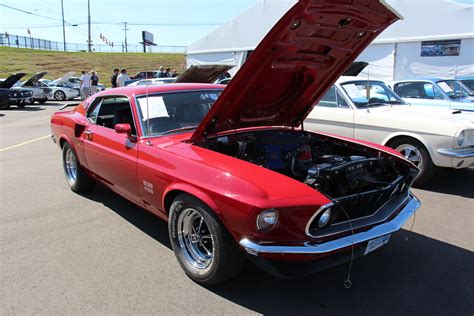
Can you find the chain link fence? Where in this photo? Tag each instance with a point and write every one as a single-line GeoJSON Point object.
{"type": "Point", "coordinates": [42, 44]}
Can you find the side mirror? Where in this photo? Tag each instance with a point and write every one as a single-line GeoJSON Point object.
{"type": "Point", "coordinates": [123, 128]}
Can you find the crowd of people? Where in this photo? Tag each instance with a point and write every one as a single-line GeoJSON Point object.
{"type": "Point", "coordinates": [89, 81]}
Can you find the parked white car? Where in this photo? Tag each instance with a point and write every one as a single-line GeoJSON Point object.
{"type": "Point", "coordinates": [429, 137]}
{"type": "Point", "coordinates": [61, 89]}
{"type": "Point", "coordinates": [75, 82]}
{"type": "Point", "coordinates": [143, 82]}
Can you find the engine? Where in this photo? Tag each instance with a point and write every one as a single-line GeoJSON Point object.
{"type": "Point", "coordinates": [335, 168]}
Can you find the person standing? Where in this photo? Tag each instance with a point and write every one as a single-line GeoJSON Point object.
{"type": "Point", "coordinates": [85, 86]}
{"type": "Point", "coordinates": [167, 73]}
{"type": "Point", "coordinates": [94, 82]}
{"type": "Point", "coordinates": [159, 74]}
{"type": "Point", "coordinates": [122, 78]}
{"type": "Point", "coordinates": [113, 80]}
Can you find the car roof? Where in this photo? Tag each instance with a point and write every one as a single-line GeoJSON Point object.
{"type": "Point", "coordinates": [344, 79]}
{"type": "Point", "coordinates": [144, 89]}
{"type": "Point", "coordinates": [425, 79]}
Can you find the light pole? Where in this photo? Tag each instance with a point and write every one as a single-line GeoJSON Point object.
{"type": "Point", "coordinates": [64, 29]}
{"type": "Point", "coordinates": [89, 23]}
{"type": "Point", "coordinates": [125, 29]}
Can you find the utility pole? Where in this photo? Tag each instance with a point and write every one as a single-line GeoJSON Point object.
{"type": "Point", "coordinates": [64, 29]}
{"type": "Point", "coordinates": [89, 22]}
{"type": "Point", "coordinates": [125, 29]}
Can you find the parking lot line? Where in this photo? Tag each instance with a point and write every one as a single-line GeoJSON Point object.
{"type": "Point", "coordinates": [24, 143]}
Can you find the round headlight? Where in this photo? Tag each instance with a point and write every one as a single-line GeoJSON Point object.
{"type": "Point", "coordinates": [461, 138]}
{"type": "Point", "coordinates": [267, 219]}
{"type": "Point", "coordinates": [324, 218]}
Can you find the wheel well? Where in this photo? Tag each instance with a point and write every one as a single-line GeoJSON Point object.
{"type": "Point", "coordinates": [169, 198]}
{"type": "Point", "coordinates": [61, 142]}
{"type": "Point", "coordinates": [392, 140]}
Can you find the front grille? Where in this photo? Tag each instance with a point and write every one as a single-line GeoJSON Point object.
{"type": "Point", "coordinates": [363, 209]}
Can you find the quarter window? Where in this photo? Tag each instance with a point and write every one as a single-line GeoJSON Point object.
{"type": "Point", "coordinates": [333, 99]}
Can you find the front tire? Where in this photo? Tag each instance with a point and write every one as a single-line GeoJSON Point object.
{"type": "Point", "coordinates": [59, 95]}
{"type": "Point", "coordinates": [204, 248]}
{"type": "Point", "coordinates": [415, 152]}
{"type": "Point", "coordinates": [78, 180]}
{"type": "Point", "coordinates": [4, 104]}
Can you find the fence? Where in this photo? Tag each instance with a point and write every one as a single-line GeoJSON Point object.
{"type": "Point", "coordinates": [42, 44]}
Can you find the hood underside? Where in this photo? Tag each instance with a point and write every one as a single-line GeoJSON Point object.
{"type": "Point", "coordinates": [203, 73]}
{"type": "Point", "coordinates": [10, 81]}
{"type": "Point", "coordinates": [296, 63]}
{"type": "Point", "coordinates": [34, 79]}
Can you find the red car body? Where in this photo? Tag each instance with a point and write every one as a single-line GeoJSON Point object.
{"type": "Point", "coordinates": [294, 65]}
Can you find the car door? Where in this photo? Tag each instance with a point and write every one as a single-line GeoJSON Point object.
{"type": "Point", "coordinates": [332, 114]}
{"type": "Point", "coordinates": [110, 155]}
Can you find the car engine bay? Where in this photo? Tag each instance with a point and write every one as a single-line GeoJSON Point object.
{"type": "Point", "coordinates": [333, 167]}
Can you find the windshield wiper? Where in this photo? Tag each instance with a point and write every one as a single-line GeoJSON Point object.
{"type": "Point", "coordinates": [176, 130]}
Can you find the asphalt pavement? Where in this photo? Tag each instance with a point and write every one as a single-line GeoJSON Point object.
{"type": "Point", "coordinates": [64, 253]}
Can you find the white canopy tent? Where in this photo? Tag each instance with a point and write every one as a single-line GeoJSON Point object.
{"type": "Point", "coordinates": [395, 54]}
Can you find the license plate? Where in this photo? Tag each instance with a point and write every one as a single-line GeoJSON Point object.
{"type": "Point", "coordinates": [376, 243]}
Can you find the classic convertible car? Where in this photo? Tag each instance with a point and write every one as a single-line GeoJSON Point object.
{"type": "Point", "coordinates": [232, 171]}
{"type": "Point", "coordinates": [429, 137]}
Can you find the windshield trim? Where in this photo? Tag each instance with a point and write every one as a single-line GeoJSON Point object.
{"type": "Point", "coordinates": [155, 94]}
{"type": "Point", "coordinates": [400, 101]}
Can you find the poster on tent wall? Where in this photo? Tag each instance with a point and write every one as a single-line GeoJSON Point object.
{"type": "Point", "coordinates": [440, 48]}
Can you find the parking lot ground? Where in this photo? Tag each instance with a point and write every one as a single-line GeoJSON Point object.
{"type": "Point", "coordinates": [62, 252]}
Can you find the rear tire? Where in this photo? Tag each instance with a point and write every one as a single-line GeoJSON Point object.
{"type": "Point", "coordinates": [78, 180]}
{"type": "Point", "coordinates": [204, 248]}
{"type": "Point", "coordinates": [42, 101]}
{"type": "Point", "coordinates": [415, 152]}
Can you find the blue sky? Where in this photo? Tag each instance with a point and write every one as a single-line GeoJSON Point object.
{"type": "Point", "coordinates": [182, 21]}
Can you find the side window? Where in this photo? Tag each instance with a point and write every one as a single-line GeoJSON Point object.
{"type": "Point", "coordinates": [431, 91]}
{"type": "Point", "coordinates": [93, 111]}
{"type": "Point", "coordinates": [113, 111]}
{"type": "Point", "coordinates": [333, 99]}
{"type": "Point", "coordinates": [410, 90]}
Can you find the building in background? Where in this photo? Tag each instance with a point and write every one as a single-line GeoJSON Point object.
{"type": "Point", "coordinates": [435, 38]}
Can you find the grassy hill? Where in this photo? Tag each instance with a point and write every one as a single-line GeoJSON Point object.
{"type": "Point", "coordinates": [56, 64]}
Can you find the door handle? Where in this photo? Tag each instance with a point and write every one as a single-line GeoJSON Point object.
{"type": "Point", "coordinates": [88, 133]}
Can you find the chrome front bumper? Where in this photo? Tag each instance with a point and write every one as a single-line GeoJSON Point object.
{"type": "Point", "coordinates": [457, 153]}
{"type": "Point", "coordinates": [313, 249]}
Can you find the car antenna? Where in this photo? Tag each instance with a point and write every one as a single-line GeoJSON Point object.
{"type": "Point", "coordinates": [147, 114]}
{"type": "Point", "coordinates": [367, 93]}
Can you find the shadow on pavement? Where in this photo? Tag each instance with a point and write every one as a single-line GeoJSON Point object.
{"type": "Point", "coordinates": [147, 222]}
{"type": "Point", "coordinates": [454, 182]}
{"type": "Point", "coordinates": [413, 274]}
{"type": "Point", "coordinates": [27, 108]}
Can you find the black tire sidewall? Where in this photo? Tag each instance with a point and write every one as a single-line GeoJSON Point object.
{"type": "Point", "coordinates": [181, 203]}
{"type": "Point", "coordinates": [83, 181]}
{"type": "Point", "coordinates": [4, 104]}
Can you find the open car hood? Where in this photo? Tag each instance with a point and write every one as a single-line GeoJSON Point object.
{"type": "Point", "coordinates": [203, 73]}
{"type": "Point", "coordinates": [296, 63]}
{"type": "Point", "coordinates": [10, 81]}
{"type": "Point", "coordinates": [355, 68]}
{"type": "Point", "coordinates": [65, 78]}
{"type": "Point", "coordinates": [36, 77]}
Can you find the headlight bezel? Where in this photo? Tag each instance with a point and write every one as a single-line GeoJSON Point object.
{"type": "Point", "coordinates": [267, 220]}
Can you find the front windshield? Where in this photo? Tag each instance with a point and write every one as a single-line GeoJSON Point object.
{"type": "Point", "coordinates": [370, 93]}
{"type": "Point", "coordinates": [174, 112]}
{"type": "Point", "coordinates": [454, 89]}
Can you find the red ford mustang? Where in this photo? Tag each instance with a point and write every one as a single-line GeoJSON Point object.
{"type": "Point", "coordinates": [233, 171]}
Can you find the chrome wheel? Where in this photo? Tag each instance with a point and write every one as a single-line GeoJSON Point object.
{"type": "Point", "coordinates": [411, 153]}
{"type": "Point", "coordinates": [195, 239]}
{"type": "Point", "coordinates": [70, 167]}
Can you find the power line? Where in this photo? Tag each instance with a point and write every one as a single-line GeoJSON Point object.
{"type": "Point", "coordinates": [31, 13]}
